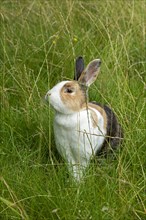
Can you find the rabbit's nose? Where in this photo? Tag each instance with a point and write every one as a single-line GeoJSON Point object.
{"type": "Point", "coordinates": [47, 95]}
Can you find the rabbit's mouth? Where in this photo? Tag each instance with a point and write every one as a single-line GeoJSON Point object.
{"type": "Point", "coordinates": [47, 97]}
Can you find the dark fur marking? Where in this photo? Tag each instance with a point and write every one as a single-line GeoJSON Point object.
{"type": "Point", "coordinates": [114, 132]}
{"type": "Point", "coordinates": [79, 67]}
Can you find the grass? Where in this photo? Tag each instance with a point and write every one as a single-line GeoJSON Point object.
{"type": "Point", "coordinates": [39, 43]}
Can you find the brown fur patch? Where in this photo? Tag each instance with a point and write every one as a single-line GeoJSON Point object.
{"type": "Point", "coordinates": [74, 100]}
{"type": "Point", "coordinates": [101, 110]}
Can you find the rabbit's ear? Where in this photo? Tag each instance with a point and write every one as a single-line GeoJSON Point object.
{"type": "Point", "coordinates": [79, 67]}
{"type": "Point", "coordinates": [91, 72]}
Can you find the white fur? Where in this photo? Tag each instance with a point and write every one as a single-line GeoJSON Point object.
{"type": "Point", "coordinates": [77, 140]}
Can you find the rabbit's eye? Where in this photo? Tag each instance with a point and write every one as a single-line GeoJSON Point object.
{"type": "Point", "coordinates": [68, 90]}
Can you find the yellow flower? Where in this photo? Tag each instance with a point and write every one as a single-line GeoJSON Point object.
{"type": "Point", "coordinates": [75, 39]}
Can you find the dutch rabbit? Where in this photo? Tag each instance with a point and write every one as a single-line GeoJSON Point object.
{"type": "Point", "coordinates": [82, 129]}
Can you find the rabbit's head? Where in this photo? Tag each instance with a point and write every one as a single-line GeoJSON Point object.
{"type": "Point", "coordinates": [68, 97]}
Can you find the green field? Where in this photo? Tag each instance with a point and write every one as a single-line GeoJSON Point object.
{"type": "Point", "coordinates": [39, 42]}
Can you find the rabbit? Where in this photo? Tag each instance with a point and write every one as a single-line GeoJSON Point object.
{"type": "Point", "coordinates": [82, 129]}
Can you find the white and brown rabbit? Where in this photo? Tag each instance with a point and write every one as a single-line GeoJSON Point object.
{"type": "Point", "coordinates": [82, 129]}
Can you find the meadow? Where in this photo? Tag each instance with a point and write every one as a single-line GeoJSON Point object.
{"type": "Point", "coordinates": [39, 42]}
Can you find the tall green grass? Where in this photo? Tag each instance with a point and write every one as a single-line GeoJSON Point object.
{"type": "Point", "coordinates": [39, 41]}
